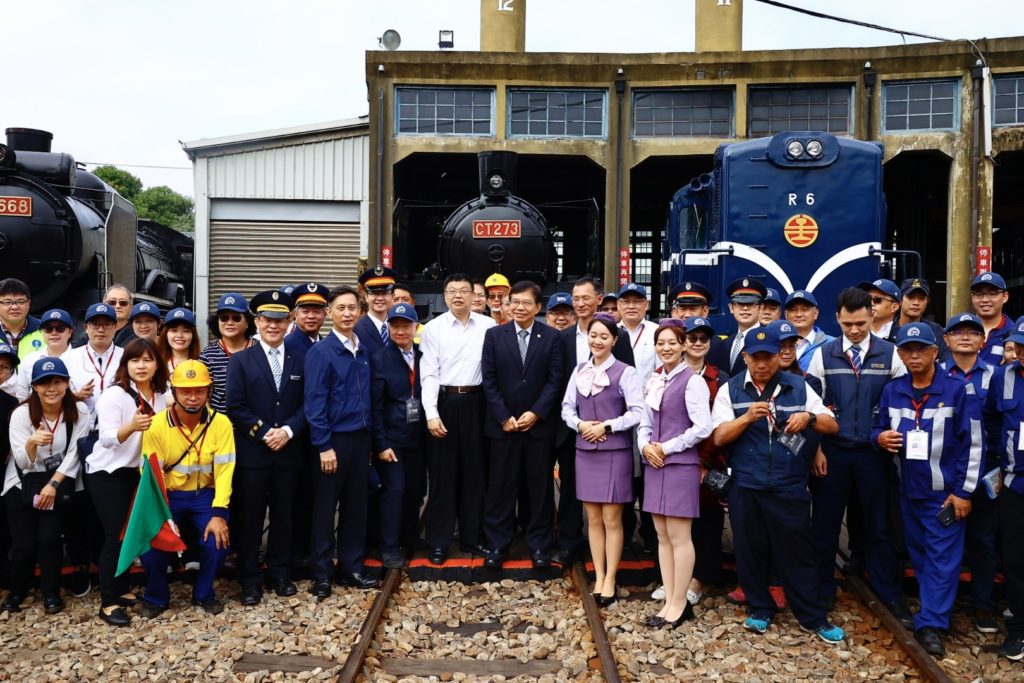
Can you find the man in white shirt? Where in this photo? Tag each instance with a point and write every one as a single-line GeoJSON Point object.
{"type": "Point", "coordinates": [453, 403]}
{"type": "Point", "coordinates": [802, 313]}
{"type": "Point", "coordinates": [92, 366]}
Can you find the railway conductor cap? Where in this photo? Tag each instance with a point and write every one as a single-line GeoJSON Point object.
{"type": "Point", "coordinates": [377, 279]}
{"type": "Point", "coordinates": [310, 294]}
{"type": "Point", "coordinates": [271, 304]}
{"type": "Point", "coordinates": [746, 290]}
{"type": "Point", "coordinates": [690, 294]}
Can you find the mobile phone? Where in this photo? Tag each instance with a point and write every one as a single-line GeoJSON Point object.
{"type": "Point", "coordinates": [35, 503]}
{"type": "Point", "coordinates": [946, 515]}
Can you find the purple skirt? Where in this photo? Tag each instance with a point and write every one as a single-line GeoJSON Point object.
{"type": "Point", "coordinates": [672, 491]}
{"type": "Point", "coordinates": [604, 476]}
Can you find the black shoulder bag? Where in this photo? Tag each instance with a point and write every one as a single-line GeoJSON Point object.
{"type": "Point", "coordinates": [168, 467]}
{"type": "Point", "coordinates": [33, 482]}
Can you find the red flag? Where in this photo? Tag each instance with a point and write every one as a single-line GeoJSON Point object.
{"type": "Point", "coordinates": [149, 522]}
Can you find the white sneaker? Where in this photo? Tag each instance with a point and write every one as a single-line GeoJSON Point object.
{"type": "Point", "coordinates": [693, 597]}
{"type": "Point", "coordinates": [1007, 614]}
{"type": "Point", "coordinates": [658, 593]}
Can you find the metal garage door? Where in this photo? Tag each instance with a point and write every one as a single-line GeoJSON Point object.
{"type": "Point", "coordinates": [249, 257]}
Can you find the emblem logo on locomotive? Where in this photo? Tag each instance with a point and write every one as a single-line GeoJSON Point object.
{"type": "Point", "coordinates": [801, 230]}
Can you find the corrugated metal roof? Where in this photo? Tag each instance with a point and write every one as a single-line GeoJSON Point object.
{"type": "Point", "coordinates": [204, 146]}
{"type": "Point", "coordinates": [330, 170]}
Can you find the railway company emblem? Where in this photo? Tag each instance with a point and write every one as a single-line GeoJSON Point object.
{"type": "Point", "coordinates": [801, 230]}
{"type": "Point", "coordinates": [191, 374]}
{"type": "Point", "coordinates": [761, 336]}
{"type": "Point", "coordinates": [913, 332]}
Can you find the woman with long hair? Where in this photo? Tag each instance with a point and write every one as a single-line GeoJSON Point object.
{"type": "Point", "coordinates": [603, 402]}
{"type": "Point", "coordinates": [179, 338]}
{"type": "Point", "coordinates": [677, 417]}
{"type": "Point", "coordinates": [44, 432]}
{"type": "Point", "coordinates": [124, 411]}
{"type": "Point", "coordinates": [231, 327]}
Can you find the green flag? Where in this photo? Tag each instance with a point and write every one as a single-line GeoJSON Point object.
{"type": "Point", "coordinates": [149, 522]}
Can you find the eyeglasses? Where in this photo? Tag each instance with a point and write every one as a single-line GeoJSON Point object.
{"type": "Point", "coordinates": [698, 338]}
{"type": "Point", "coordinates": [516, 303]}
{"type": "Point", "coordinates": [609, 308]}
{"type": "Point", "coordinates": [50, 329]}
{"type": "Point", "coordinates": [7, 303]}
{"type": "Point", "coordinates": [882, 299]}
{"type": "Point", "coordinates": [979, 294]}
{"type": "Point", "coordinates": [230, 317]}
{"type": "Point", "coordinates": [495, 297]}
{"type": "Point", "coordinates": [965, 332]}
{"type": "Point", "coordinates": [118, 303]}
{"type": "Point", "coordinates": [100, 324]}
{"type": "Point", "coordinates": [458, 292]}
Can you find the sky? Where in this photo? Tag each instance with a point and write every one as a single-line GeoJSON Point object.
{"type": "Point", "coordinates": [123, 81]}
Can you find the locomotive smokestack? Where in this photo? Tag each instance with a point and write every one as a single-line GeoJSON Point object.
{"type": "Point", "coordinates": [503, 25]}
{"type": "Point", "coordinates": [497, 173]}
{"type": "Point", "coordinates": [29, 139]}
{"type": "Point", "coordinates": [719, 25]}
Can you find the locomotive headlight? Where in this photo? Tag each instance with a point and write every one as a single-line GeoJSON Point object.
{"type": "Point", "coordinates": [496, 182]}
{"type": "Point", "coordinates": [814, 148]}
{"type": "Point", "coordinates": [795, 149]}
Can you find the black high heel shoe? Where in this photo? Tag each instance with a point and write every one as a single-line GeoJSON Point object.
{"type": "Point", "coordinates": [606, 600]}
{"type": "Point", "coordinates": [654, 621]}
{"type": "Point", "coordinates": [687, 615]}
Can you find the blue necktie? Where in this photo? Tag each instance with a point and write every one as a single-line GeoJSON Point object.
{"type": "Point", "coordinates": [523, 344]}
{"type": "Point", "coordinates": [855, 358]}
{"type": "Point", "coordinates": [384, 334]}
{"type": "Point", "coordinates": [275, 367]}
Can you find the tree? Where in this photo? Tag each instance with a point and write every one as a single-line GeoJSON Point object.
{"type": "Point", "coordinates": [164, 205]}
{"type": "Point", "coordinates": [126, 184]}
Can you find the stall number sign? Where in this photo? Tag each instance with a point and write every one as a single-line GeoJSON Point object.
{"type": "Point", "coordinates": [497, 229]}
{"type": "Point", "coordinates": [15, 206]}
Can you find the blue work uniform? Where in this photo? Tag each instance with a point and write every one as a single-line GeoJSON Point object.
{"type": "Point", "coordinates": [992, 351]}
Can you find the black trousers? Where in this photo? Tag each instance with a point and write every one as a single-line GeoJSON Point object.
{"type": "Point", "coordinates": [457, 471]}
{"type": "Point", "coordinates": [83, 532]}
{"type": "Point", "coordinates": [344, 493]}
{"type": "Point", "coordinates": [706, 533]}
{"type": "Point", "coordinates": [772, 529]}
{"type": "Point", "coordinates": [570, 510]}
{"type": "Point", "coordinates": [1011, 528]}
{"type": "Point", "coordinates": [517, 459]}
{"type": "Point", "coordinates": [35, 536]}
{"type": "Point", "coordinates": [112, 494]}
{"type": "Point", "coordinates": [253, 491]}
{"type": "Point", "coordinates": [302, 511]}
{"type": "Point", "coordinates": [403, 487]}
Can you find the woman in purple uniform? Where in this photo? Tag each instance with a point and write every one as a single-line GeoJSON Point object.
{"type": "Point", "coordinates": [602, 404]}
{"type": "Point", "coordinates": [677, 417]}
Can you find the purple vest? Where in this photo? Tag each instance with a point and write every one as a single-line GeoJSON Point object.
{"type": "Point", "coordinates": [674, 419]}
{"type": "Point", "coordinates": [606, 405]}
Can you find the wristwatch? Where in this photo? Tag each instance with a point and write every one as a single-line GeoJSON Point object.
{"type": "Point", "coordinates": [55, 484]}
{"type": "Point", "coordinates": [812, 420]}
{"type": "Point", "coordinates": [607, 429]}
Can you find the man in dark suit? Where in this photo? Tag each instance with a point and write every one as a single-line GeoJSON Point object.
{"type": "Point", "coordinates": [310, 313]}
{"type": "Point", "coordinates": [265, 404]}
{"type": "Point", "coordinates": [378, 287]}
{"type": "Point", "coordinates": [399, 435]}
{"type": "Point", "coordinates": [521, 366]}
{"type": "Point", "coordinates": [586, 296]}
{"type": "Point", "coordinates": [745, 295]}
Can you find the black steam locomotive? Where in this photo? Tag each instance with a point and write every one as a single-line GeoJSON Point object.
{"type": "Point", "coordinates": [69, 235]}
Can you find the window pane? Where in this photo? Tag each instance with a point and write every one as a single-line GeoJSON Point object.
{"type": "Point", "coordinates": [924, 105]}
{"type": "Point", "coordinates": [1008, 108]}
{"type": "Point", "coordinates": [684, 113]}
{"type": "Point", "coordinates": [559, 112]}
{"type": "Point", "coordinates": [806, 108]}
{"type": "Point", "coordinates": [444, 111]}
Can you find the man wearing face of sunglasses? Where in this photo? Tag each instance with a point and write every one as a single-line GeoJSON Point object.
{"type": "Point", "coordinates": [885, 307]}
{"type": "Point", "coordinates": [120, 299]}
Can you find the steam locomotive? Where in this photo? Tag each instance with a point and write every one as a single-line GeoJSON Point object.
{"type": "Point", "coordinates": [69, 235]}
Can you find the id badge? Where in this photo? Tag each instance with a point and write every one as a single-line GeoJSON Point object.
{"type": "Point", "coordinates": [413, 410]}
{"type": "Point", "coordinates": [51, 463]}
{"type": "Point", "coordinates": [794, 442]}
{"type": "Point", "coordinates": [917, 444]}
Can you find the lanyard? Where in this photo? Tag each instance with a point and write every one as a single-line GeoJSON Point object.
{"type": "Point", "coordinates": [191, 442]}
{"type": "Point", "coordinates": [412, 380]}
{"type": "Point", "coordinates": [145, 404]}
{"type": "Point", "coordinates": [637, 340]}
{"type": "Point", "coordinates": [918, 405]}
{"type": "Point", "coordinates": [53, 429]}
{"type": "Point", "coordinates": [770, 400]}
{"type": "Point", "coordinates": [95, 366]}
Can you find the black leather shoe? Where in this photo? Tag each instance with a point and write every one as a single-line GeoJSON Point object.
{"type": "Point", "coordinates": [321, 590]}
{"type": "Point", "coordinates": [931, 641]}
{"type": "Point", "coordinates": [541, 559]}
{"type": "Point", "coordinates": [356, 580]}
{"type": "Point", "coordinates": [128, 602]}
{"type": "Point", "coordinates": [473, 549]}
{"type": "Point", "coordinates": [437, 555]}
{"type": "Point", "coordinates": [564, 557]}
{"type": "Point", "coordinates": [854, 565]}
{"type": "Point", "coordinates": [251, 597]}
{"type": "Point", "coordinates": [285, 588]}
{"type": "Point", "coordinates": [117, 617]}
{"type": "Point", "coordinates": [150, 610]}
{"type": "Point", "coordinates": [12, 603]}
{"type": "Point", "coordinates": [900, 611]}
{"type": "Point", "coordinates": [685, 616]}
{"type": "Point", "coordinates": [494, 559]}
{"type": "Point", "coordinates": [52, 603]}
{"type": "Point", "coordinates": [392, 559]}
{"type": "Point", "coordinates": [211, 605]}
{"type": "Point", "coordinates": [606, 600]}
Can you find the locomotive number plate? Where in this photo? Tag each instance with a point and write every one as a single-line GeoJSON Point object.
{"type": "Point", "coordinates": [497, 229]}
{"type": "Point", "coordinates": [15, 206]}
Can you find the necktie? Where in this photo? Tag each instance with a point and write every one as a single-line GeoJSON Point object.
{"type": "Point", "coordinates": [275, 367]}
{"type": "Point", "coordinates": [384, 333]}
{"type": "Point", "coordinates": [523, 336]}
{"type": "Point", "coordinates": [737, 346]}
{"type": "Point", "coordinates": [408, 358]}
{"type": "Point", "coordinates": [855, 358]}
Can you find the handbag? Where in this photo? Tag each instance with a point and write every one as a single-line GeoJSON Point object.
{"type": "Point", "coordinates": [718, 482]}
{"type": "Point", "coordinates": [33, 482]}
{"type": "Point", "coordinates": [86, 444]}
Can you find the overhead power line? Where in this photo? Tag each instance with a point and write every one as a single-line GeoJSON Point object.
{"type": "Point", "coordinates": [822, 15]}
{"type": "Point", "coordinates": [110, 163]}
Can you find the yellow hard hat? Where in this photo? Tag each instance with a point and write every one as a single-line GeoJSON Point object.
{"type": "Point", "coordinates": [190, 374]}
{"type": "Point", "coordinates": [497, 280]}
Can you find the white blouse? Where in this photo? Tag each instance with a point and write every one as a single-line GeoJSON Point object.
{"type": "Point", "coordinates": [114, 408]}
{"type": "Point", "coordinates": [22, 428]}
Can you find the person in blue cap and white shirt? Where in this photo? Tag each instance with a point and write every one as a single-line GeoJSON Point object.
{"type": "Point", "coordinates": [92, 366]}
{"type": "Point", "coordinates": [802, 312]}
{"type": "Point", "coordinates": [885, 307]}
{"type": "Point", "coordinates": [1006, 399]}
{"type": "Point", "coordinates": [559, 313]}
{"type": "Point", "coordinates": [145, 320]}
{"type": "Point", "coordinates": [771, 306]}
{"type": "Point", "coordinates": [931, 422]}
{"type": "Point", "coordinates": [231, 328]}
{"type": "Point", "coordinates": [965, 335]}
{"type": "Point", "coordinates": [179, 339]}
{"type": "Point", "coordinates": [988, 297]}
{"type": "Point", "coordinates": [56, 327]}
{"type": "Point", "coordinates": [759, 416]}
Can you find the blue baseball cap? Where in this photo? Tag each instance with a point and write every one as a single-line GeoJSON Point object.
{"type": "Point", "coordinates": [962, 319]}
{"type": "Point", "coordinates": [10, 352]}
{"type": "Point", "coordinates": [56, 315]}
{"type": "Point", "coordinates": [232, 301]}
{"type": "Point", "coordinates": [783, 329]}
{"type": "Point", "coordinates": [1017, 335]}
{"type": "Point", "coordinates": [403, 312]}
{"type": "Point", "coordinates": [915, 284]}
{"type": "Point", "coordinates": [772, 294]}
{"type": "Point", "coordinates": [887, 287]}
{"type": "Point", "coordinates": [761, 339]}
{"type": "Point", "coordinates": [801, 295]}
{"type": "Point", "coordinates": [49, 366]}
{"type": "Point", "coordinates": [697, 323]}
{"type": "Point", "coordinates": [915, 333]}
{"type": "Point", "coordinates": [559, 299]}
{"type": "Point", "coordinates": [632, 288]}
{"type": "Point", "coordinates": [180, 315]}
{"type": "Point", "coordinates": [144, 308]}
{"type": "Point", "coordinates": [989, 279]}
{"type": "Point", "coordinates": [100, 311]}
